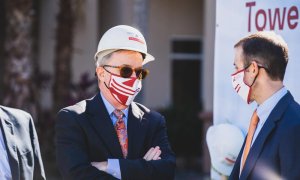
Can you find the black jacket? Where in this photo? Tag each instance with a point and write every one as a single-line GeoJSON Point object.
{"type": "Point", "coordinates": [275, 152]}
{"type": "Point", "coordinates": [85, 134]}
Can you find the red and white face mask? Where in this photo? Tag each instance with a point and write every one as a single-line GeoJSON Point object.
{"type": "Point", "coordinates": [240, 86]}
{"type": "Point", "coordinates": [124, 90]}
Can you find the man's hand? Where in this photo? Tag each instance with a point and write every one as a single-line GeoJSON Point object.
{"type": "Point", "coordinates": [153, 154]}
{"type": "Point", "coordinates": [102, 166]}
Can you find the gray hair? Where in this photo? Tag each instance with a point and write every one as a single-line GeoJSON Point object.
{"type": "Point", "coordinates": [104, 60]}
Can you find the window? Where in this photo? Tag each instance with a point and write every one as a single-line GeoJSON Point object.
{"type": "Point", "coordinates": [186, 58]}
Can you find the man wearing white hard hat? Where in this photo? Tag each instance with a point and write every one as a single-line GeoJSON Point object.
{"type": "Point", "coordinates": [224, 142]}
{"type": "Point", "coordinates": [109, 136]}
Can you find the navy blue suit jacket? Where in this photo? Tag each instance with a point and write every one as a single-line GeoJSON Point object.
{"type": "Point", "coordinates": [22, 145]}
{"type": "Point", "coordinates": [85, 133]}
{"type": "Point", "coordinates": [276, 150]}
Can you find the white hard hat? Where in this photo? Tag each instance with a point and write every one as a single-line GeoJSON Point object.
{"type": "Point", "coordinates": [224, 144]}
{"type": "Point", "coordinates": [122, 37]}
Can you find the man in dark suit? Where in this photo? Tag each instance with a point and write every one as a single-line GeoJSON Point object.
{"type": "Point", "coordinates": [271, 149]}
{"type": "Point", "coordinates": [109, 136]}
{"type": "Point", "coordinates": [20, 157]}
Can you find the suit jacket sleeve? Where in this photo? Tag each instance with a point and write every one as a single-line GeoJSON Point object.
{"type": "Point", "coordinates": [163, 169]}
{"type": "Point", "coordinates": [289, 154]}
{"type": "Point", "coordinates": [39, 172]}
{"type": "Point", "coordinates": [71, 150]}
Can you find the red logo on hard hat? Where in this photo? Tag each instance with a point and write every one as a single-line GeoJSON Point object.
{"type": "Point", "coordinates": [136, 39]}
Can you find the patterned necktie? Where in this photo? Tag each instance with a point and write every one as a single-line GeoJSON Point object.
{"type": "Point", "coordinates": [251, 131]}
{"type": "Point", "coordinates": [121, 131]}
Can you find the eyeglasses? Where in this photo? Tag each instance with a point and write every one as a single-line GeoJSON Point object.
{"type": "Point", "coordinates": [259, 66]}
{"type": "Point", "coordinates": [126, 71]}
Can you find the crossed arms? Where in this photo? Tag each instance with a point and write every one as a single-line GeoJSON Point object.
{"type": "Point", "coordinates": [74, 160]}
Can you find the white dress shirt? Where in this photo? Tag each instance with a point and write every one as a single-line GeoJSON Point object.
{"type": "Point", "coordinates": [5, 172]}
{"type": "Point", "coordinates": [264, 110]}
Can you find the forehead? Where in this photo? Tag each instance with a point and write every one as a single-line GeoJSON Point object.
{"type": "Point", "coordinates": [132, 58]}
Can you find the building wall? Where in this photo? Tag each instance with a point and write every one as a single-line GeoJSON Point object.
{"type": "Point", "coordinates": [167, 19]}
{"type": "Point", "coordinates": [208, 76]}
{"type": "Point", "coordinates": [48, 12]}
{"type": "Point", "coordinates": [209, 49]}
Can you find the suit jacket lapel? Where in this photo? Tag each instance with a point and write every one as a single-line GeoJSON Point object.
{"type": "Point", "coordinates": [268, 127]}
{"type": "Point", "coordinates": [136, 129]}
{"type": "Point", "coordinates": [102, 124]}
{"type": "Point", "coordinates": [257, 147]}
{"type": "Point", "coordinates": [8, 134]}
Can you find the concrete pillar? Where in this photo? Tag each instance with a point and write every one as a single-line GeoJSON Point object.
{"type": "Point", "coordinates": [140, 21]}
{"type": "Point", "coordinates": [208, 74]}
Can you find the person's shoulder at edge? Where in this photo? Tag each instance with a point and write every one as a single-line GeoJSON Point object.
{"type": "Point", "coordinates": [78, 108]}
{"type": "Point", "coordinates": [294, 112]}
{"type": "Point", "coordinates": [16, 115]}
{"type": "Point", "coordinates": [292, 119]}
{"type": "Point", "coordinates": [153, 115]}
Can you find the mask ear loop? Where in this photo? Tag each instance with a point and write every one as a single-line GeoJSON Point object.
{"type": "Point", "coordinates": [256, 75]}
{"type": "Point", "coordinates": [109, 79]}
{"type": "Point", "coordinates": [106, 84]}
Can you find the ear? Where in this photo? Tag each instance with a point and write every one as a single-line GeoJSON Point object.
{"type": "Point", "coordinates": [253, 69]}
{"type": "Point", "coordinates": [100, 73]}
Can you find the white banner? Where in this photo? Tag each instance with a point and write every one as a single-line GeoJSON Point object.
{"type": "Point", "coordinates": [236, 19]}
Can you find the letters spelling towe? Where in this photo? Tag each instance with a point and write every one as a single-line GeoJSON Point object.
{"type": "Point", "coordinates": [272, 18]}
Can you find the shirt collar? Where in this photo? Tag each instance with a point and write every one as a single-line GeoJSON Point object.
{"type": "Point", "coordinates": [110, 108]}
{"type": "Point", "coordinates": [264, 110]}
